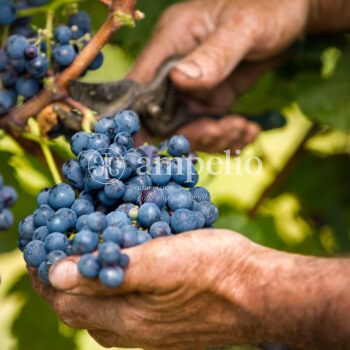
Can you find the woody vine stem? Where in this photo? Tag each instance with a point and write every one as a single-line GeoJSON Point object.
{"type": "Point", "coordinates": [121, 12]}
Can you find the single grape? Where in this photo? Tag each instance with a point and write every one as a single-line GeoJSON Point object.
{"type": "Point", "coordinates": [160, 174]}
{"type": "Point", "coordinates": [6, 219]}
{"type": "Point", "coordinates": [7, 101]}
{"type": "Point", "coordinates": [209, 211]}
{"type": "Point", "coordinates": [178, 146]}
{"type": "Point", "coordinates": [26, 228]}
{"type": "Point", "coordinates": [34, 253]}
{"type": "Point", "coordinates": [183, 220]}
{"type": "Point", "coordinates": [7, 12]}
{"type": "Point", "coordinates": [200, 194]}
{"type": "Point", "coordinates": [64, 55]}
{"type": "Point", "coordinates": [81, 222]}
{"type": "Point", "coordinates": [69, 215]}
{"type": "Point", "coordinates": [159, 229]}
{"type": "Point", "coordinates": [132, 193]}
{"type": "Point", "coordinates": [89, 266]}
{"type": "Point", "coordinates": [81, 19]}
{"type": "Point", "coordinates": [72, 171]}
{"type": "Point", "coordinates": [79, 142]}
{"type": "Point", "coordinates": [118, 218]}
{"type": "Point", "coordinates": [43, 196]}
{"type": "Point", "coordinates": [98, 142]}
{"type": "Point", "coordinates": [127, 121]}
{"type": "Point", "coordinates": [85, 241]}
{"type": "Point", "coordinates": [90, 159]}
{"type": "Point", "coordinates": [109, 253]}
{"type": "Point", "coordinates": [97, 62]}
{"type": "Point", "coordinates": [42, 215]}
{"type": "Point", "coordinates": [27, 87]}
{"type": "Point", "coordinates": [142, 237]}
{"type": "Point", "coordinates": [123, 139]}
{"type": "Point", "coordinates": [199, 218]}
{"type": "Point", "coordinates": [82, 207]}
{"type": "Point", "coordinates": [8, 195]}
{"type": "Point", "coordinates": [16, 45]}
{"type": "Point", "coordinates": [61, 196]}
{"type": "Point", "coordinates": [54, 257]}
{"type": "Point", "coordinates": [113, 234]}
{"type": "Point", "coordinates": [111, 277]}
{"type": "Point", "coordinates": [180, 199]}
{"type": "Point", "coordinates": [106, 126]}
{"type": "Point", "coordinates": [97, 221]}
{"type": "Point", "coordinates": [149, 213]}
{"type": "Point", "coordinates": [43, 272]}
{"type": "Point", "coordinates": [56, 241]}
{"type": "Point", "coordinates": [38, 67]}
{"type": "Point", "coordinates": [63, 34]}
{"type": "Point", "coordinates": [114, 189]}
{"type": "Point", "coordinates": [41, 233]}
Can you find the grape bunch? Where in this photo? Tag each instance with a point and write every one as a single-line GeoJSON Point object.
{"type": "Point", "coordinates": [8, 197]}
{"type": "Point", "coordinates": [117, 196]}
{"type": "Point", "coordinates": [25, 65]}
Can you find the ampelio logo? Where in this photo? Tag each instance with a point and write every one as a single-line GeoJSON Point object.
{"type": "Point", "coordinates": [105, 165]}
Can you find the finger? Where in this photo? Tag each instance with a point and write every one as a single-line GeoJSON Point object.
{"type": "Point", "coordinates": [214, 60]}
{"type": "Point", "coordinates": [143, 273]}
{"type": "Point", "coordinates": [174, 24]}
{"type": "Point", "coordinates": [87, 312]}
{"type": "Point", "coordinates": [46, 292]}
{"type": "Point", "coordinates": [109, 339]}
{"type": "Point", "coordinates": [203, 133]}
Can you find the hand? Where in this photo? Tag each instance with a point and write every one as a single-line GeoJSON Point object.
{"type": "Point", "coordinates": [215, 37]}
{"type": "Point", "coordinates": [208, 288]}
{"type": "Point", "coordinates": [172, 296]}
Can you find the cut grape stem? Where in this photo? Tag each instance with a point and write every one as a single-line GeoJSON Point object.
{"type": "Point", "coordinates": [16, 119]}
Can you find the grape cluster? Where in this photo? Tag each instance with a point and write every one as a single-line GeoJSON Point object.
{"type": "Point", "coordinates": [24, 62]}
{"type": "Point", "coordinates": [117, 196]}
{"type": "Point", "coordinates": [8, 197]}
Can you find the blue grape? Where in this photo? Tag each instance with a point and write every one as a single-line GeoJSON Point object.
{"type": "Point", "coordinates": [90, 159]}
{"type": "Point", "coordinates": [6, 219]}
{"type": "Point", "coordinates": [7, 101]}
{"type": "Point", "coordinates": [27, 87]}
{"type": "Point", "coordinates": [8, 80]}
{"type": "Point", "coordinates": [56, 241]}
{"type": "Point", "coordinates": [97, 62]}
{"type": "Point", "coordinates": [124, 261]}
{"type": "Point", "coordinates": [115, 150]}
{"type": "Point", "coordinates": [164, 216]}
{"type": "Point", "coordinates": [18, 65]}
{"type": "Point", "coordinates": [43, 272]}
{"type": "Point", "coordinates": [183, 220]}
{"type": "Point", "coordinates": [109, 253]}
{"type": "Point", "coordinates": [159, 229]}
{"type": "Point", "coordinates": [81, 19]}
{"type": "Point", "coordinates": [114, 189]}
{"type": "Point", "coordinates": [4, 60]}
{"type": "Point", "coordinates": [127, 121]}
{"type": "Point", "coordinates": [113, 234]}
{"type": "Point", "coordinates": [8, 195]}
{"type": "Point", "coordinates": [96, 178]}
{"type": "Point", "coordinates": [105, 200]}
{"type": "Point", "coordinates": [143, 181]}
{"type": "Point", "coordinates": [31, 52]}
{"type": "Point", "coordinates": [199, 218]}
{"type": "Point", "coordinates": [97, 221]}
{"type": "Point", "coordinates": [181, 199]}
{"type": "Point", "coordinates": [200, 194]}
{"type": "Point", "coordinates": [149, 151]}
{"type": "Point", "coordinates": [119, 168]}
{"type": "Point", "coordinates": [72, 171]}
{"type": "Point", "coordinates": [98, 142]}
{"type": "Point", "coordinates": [155, 196]}
{"type": "Point", "coordinates": [160, 174]}
{"type": "Point", "coordinates": [79, 142]}
{"type": "Point", "coordinates": [26, 228]}
{"type": "Point", "coordinates": [89, 266]}
{"type": "Point", "coordinates": [105, 126]}
{"type": "Point", "coordinates": [87, 196]}
{"type": "Point", "coordinates": [7, 12]}
{"type": "Point", "coordinates": [41, 233]}
{"type": "Point", "coordinates": [132, 193]}
{"type": "Point", "coordinates": [178, 146]}
{"type": "Point", "coordinates": [16, 45]}
{"type": "Point", "coordinates": [82, 207]}
{"type": "Point", "coordinates": [57, 223]}
{"type": "Point", "coordinates": [63, 34]}
{"type": "Point", "coordinates": [38, 67]}
{"type": "Point", "coordinates": [34, 253]}
{"type": "Point", "coordinates": [43, 196]}
{"type": "Point", "coordinates": [149, 213]}
{"type": "Point", "coordinates": [69, 215]}
{"type": "Point", "coordinates": [184, 172]}
{"type": "Point", "coordinates": [64, 55]}
{"type": "Point", "coordinates": [142, 237]}
{"type": "Point", "coordinates": [54, 257]}
{"type": "Point", "coordinates": [81, 222]}
{"type": "Point", "coordinates": [42, 215]}
{"type": "Point", "coordinates": [123, 139]}
{"type": "Point", "coordinates": [111, 277]}
{"type": "Point", "coordinates": [209, 211]}
{"type": "Point", "coordinates": [85, 241]}
{"type": "Point", "coordinates": [118, 218]}
{"type": "Point", "coordinates": [61, 196]}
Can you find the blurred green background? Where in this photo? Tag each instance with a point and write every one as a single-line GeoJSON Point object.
{"type": "Point", "coordinates": [300, 202]}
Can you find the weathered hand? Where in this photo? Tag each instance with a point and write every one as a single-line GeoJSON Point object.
{"type": "Point", "coordinates": [172, 298]}
{"type": "Point", "coordinates": [215, 37]}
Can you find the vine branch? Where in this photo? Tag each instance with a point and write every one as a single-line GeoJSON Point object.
{"type": "Point", "coordinates": [16, 119]}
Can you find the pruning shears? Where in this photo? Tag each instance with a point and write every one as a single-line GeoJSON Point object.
{"type": "Point", "coordinates": [158, 103]}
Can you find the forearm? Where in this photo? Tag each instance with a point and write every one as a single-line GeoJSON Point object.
{"type": "Point", "coordinates": [286, 298]}
{"type": "Point", "coordinates": [329, 16]}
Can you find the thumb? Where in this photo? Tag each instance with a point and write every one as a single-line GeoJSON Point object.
{"type": "Point", "coordinates": [144, 260]}
{"type": "Point", "coordinates": [214, 60]}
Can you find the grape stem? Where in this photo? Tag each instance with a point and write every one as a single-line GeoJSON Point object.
{"type": "Point", "coordinates": [51, 7]}
{"type": "Point", "coordinates": [16, 119]}
{"type": "Point", "coordinates": [50, 162]}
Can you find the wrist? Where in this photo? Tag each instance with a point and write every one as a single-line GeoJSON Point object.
{"type": "Point", "coordinates": [328, 16]}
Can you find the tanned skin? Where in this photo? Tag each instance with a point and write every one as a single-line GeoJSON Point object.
{"type": "Point", "coordinates": [214, 288]}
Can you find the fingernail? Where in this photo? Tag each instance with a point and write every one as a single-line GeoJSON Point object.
{"type": "Point", "coordinates": [64, 275]}
{"type": "Point", "coordinates": [190, 69]}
